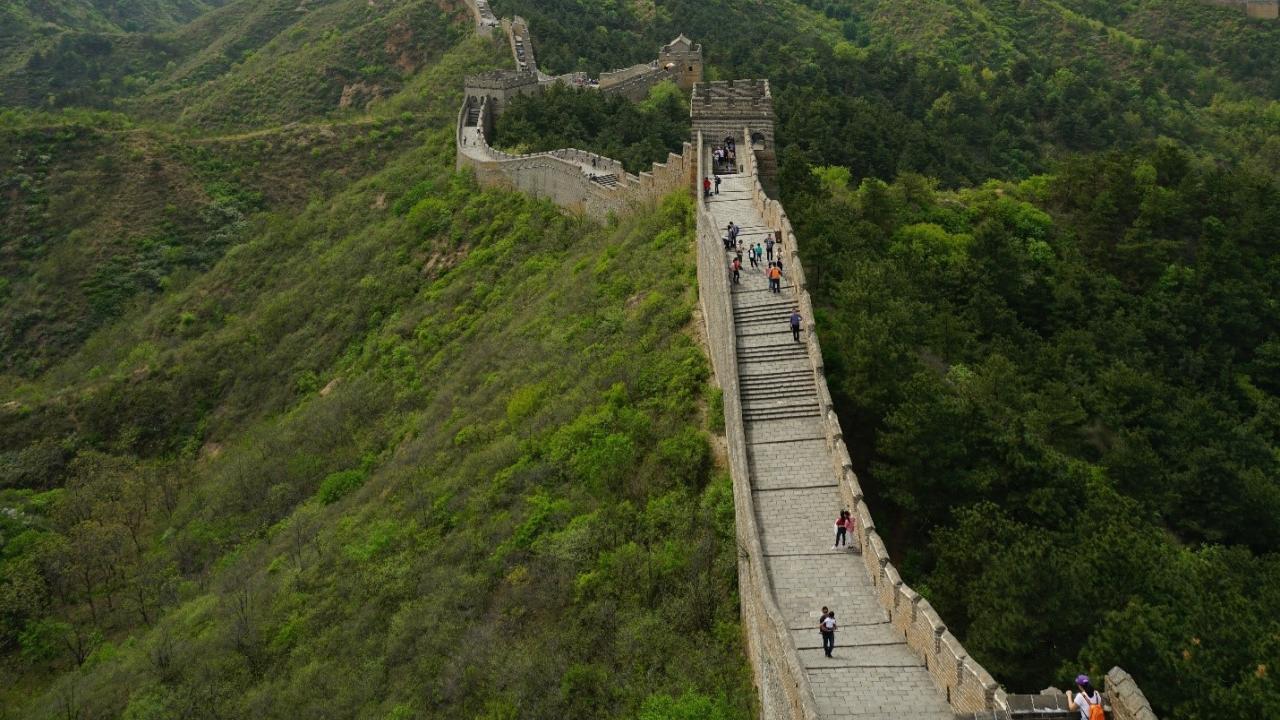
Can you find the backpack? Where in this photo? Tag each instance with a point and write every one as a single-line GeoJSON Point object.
{"type": "Point", "coordinates": [1095, 707]}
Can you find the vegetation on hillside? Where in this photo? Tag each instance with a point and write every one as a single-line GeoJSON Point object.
{"type": "Point", "coordinates": [441, 452]}
{"type": "Point", "coordinates": [638, 134]}
{"type": "Point", "coordinates": [298, 406]}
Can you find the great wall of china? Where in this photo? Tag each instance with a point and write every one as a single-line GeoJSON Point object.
{"type": "Point", "coordinates": [790, 467]}
{"type": "Point", "coordinates": [1257, 9]}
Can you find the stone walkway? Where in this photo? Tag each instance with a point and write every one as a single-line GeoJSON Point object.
{"type": "Point", "coordinates": [873, 674]}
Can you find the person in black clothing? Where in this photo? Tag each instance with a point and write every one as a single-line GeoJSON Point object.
{"type": "Point", "coordinates": [827, 626]}
{"type": "Point", "coordinates": [795, 324]}
{"type": "Point", "coordinates": [717, 184]}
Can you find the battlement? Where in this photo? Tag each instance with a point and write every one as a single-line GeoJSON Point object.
{"type": "Point", "coordinates": [501, 80]}
{"type": "Point", "coordinates": [730, 93]}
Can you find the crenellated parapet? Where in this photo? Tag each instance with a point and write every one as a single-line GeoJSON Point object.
{"type": "Point", "coordinates": [574, 179]}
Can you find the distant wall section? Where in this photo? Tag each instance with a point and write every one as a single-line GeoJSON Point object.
{"type": "Point", "coordinates": [574, 179]}
{"type": "Point", "coordinates": [1258, 9]}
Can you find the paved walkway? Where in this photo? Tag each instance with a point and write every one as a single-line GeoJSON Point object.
{"type": "Point", "coordinates": [873, 674]}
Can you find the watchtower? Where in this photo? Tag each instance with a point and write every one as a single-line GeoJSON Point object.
{"type": "Point", "coordinates": [500, 86]}
{"type": "Point", "coordinates": [1263, 9]}
{"type": "Point", "coordinates": [682, 58]}
{"type": "Point", "coordinates": [723, 108]}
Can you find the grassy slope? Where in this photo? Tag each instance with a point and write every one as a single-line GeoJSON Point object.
{"type": "Point", "coordinates": [514, 394]}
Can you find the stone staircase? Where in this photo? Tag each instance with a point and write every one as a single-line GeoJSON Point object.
{"type": "Point", "coordinates": [473, 116]}
{"type": "Point", "coordinates": [609, 180]}
{"type": "Point", "coordinates": [872, 675]}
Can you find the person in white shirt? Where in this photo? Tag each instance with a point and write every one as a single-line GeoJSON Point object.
{"type": "Point", "coordinates": [1085, 697]}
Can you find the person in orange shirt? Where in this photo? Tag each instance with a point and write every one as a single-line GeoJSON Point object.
{"type": "Point", "coordinates": [775, 278]}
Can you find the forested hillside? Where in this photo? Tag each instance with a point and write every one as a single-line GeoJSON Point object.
{"type": "Point", "coordinates": [287, 404]}
{"type": "Point", "coordinates": [1042, 236]}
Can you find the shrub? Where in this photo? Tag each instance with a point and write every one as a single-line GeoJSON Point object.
{"type": "Point", "coordinates": [340, 484]}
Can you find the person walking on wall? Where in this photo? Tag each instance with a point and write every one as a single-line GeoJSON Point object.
{"type": "Point", "coordinates": [768, 248]}
{"type": "Point", "coordinates": [844, 524]}
{"type": "Point", "coordinates": [827, 626]}
{"type": "Point", "coordinates": [795, 324]}
{"type": "Point", "coordinates": [751, 255]}
{"type": "Point", "coordinates": [706, 187]}
{"type": "Point", "coordinates": [760, 256]}
{"type": "Point", "coordinates": [775, 278]}
{"type": "Point", "coordinates": [1087, 701]}
{"type": "Point", "coordinates": [717, 184]}
{"type": "Point", "coordinates": [736, 265]}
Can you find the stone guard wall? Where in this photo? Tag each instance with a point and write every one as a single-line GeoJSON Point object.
{"type": "Point", "coordinates": [779, 675]}
{"type": "Point", "coordinates": [558, 176]}
{"type": "Point", "coordinates": [968, 687]}
{"type": "Point", "coordinates": [1126, 699]}
{"type": "Point", "coordinates": [486, 21]}
{"type": "Point", "coordinates": [636, 87]}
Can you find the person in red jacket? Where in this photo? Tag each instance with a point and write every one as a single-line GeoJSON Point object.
{"type": "Point", "coordinates": [706, 187]}
{"type": "Point", "coordinates": [844, 525]}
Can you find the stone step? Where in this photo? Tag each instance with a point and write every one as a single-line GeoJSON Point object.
{"type": "Point", "coordinates": [779, 387]}
{"type": "Point", "coordinates": [792, 413]}
{"type": "Point", "coordinates": [781, 311]}
{"type": "Point", "coordinates": [783, 389]}
{"type": "Point", "coordinates": [780, 352]}
{"type": "Point", "coordinates": [609, 180]}
{"type": "Point", "coordinates": [753, 402]}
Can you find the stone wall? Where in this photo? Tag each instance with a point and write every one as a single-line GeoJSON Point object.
{"type": "Point", "coordinates": [637, 87]}
{"type": "Point", "coordinates": [1259, 9]}
{"type": "Point", "coordinates": [1127, 700]}
{"type": "Point", "coordinates": [967, 686]}
{"type": "Point", "coordinates": [779, 675]}
{"type": "Point", "coordinates": [486, 21]}
{"type": "Point", "coordinates": [564, 176]}
{"type": "Point", "coordinates": [723, 108]}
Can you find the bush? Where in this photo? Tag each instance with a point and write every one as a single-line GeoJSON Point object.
{"type": "Point", "coordinates": [340, 484]}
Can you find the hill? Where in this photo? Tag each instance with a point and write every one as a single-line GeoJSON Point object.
{"type": "Point", "coordinates": [408, 441]}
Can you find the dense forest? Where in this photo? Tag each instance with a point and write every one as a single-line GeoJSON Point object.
{"type": "Point", "coordinates": [286, 403]}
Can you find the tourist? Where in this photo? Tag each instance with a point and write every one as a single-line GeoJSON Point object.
{"type": "Point", "coordinates": [775, 278]}
{"type": "Point", "coordinates": [760, 254]}
{"type": "Point", "coordinates": [706, 187]}
{"type": "Point", "coordinates": [717, 184]}
{"type": "Point", "coordinates": [827, 626]}
{"type": "Point", "coordinates": [1088, 702]}
{"type": "Point", "coordinates": [795, 325]}
{"type": "Point", "coordinates": [768, 248]}
{"type": "Point", "coordinates": [737, 269]}
{"type": "Point", "coordinates": [844, 524]}
{"type": "Point", "coordinates": [751, 255]}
